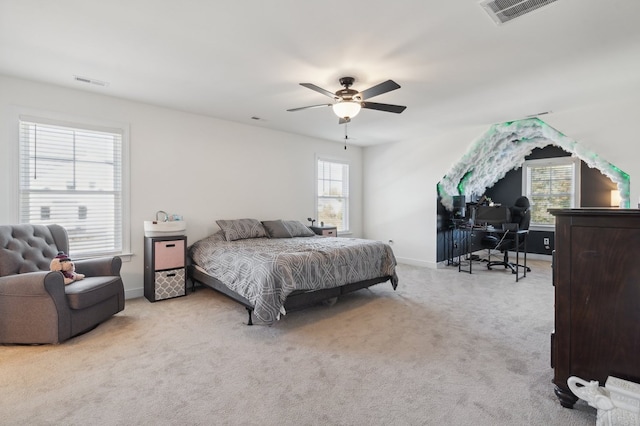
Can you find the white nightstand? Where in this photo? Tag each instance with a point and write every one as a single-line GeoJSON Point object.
{"type": "Point", "coordinates": [325, 231]}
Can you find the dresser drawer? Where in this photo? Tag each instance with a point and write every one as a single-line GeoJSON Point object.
{"type": "Point", "coordinates": [329, 232]}
{"type": "Point", "coordinates": [169, 254]}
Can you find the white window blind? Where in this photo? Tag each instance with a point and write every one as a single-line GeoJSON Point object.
{"type": "Point", "coordinates": [72, 176]}
{"type": "Point", "coordinates": [550, 183]}
{"type": "Point", "coordinates": [333, 194]}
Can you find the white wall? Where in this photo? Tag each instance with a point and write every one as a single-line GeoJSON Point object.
{"type": "Point", "coordinates": [400, 192]}
{"type": "Point", "coordinates": [200, 167]}
{"type": "Point", "coordinates": [400, 179]}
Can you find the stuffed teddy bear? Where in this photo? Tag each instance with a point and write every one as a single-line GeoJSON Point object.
{"type": "Point", "coordinates": [63, 263]}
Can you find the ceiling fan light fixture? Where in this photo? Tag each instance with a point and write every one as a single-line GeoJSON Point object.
{"type": "Point", "coordinates": [347, 102]}
{"type": "Point", "coordinates": [346, 109]}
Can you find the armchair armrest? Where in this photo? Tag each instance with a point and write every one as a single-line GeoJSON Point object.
{"type": "Point", "coordinates": [32, 284]}
{"type": "Point", "coordinates": [34, 308]}
{"type": "Point", "coordinates": [104, 266]}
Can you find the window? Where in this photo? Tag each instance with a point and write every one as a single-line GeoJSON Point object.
{"type": "Point", "coordinates": [72, 175]}
{"type": "Point", "coordinates": [551, 183]}
{"type": "Point", "coordinates": [333, 194]}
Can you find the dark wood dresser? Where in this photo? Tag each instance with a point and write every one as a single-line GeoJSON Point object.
{"type": "Point", "coordinates": [596, 274]}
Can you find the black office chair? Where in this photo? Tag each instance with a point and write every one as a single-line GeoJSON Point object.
{"type": "Point", "coordinates": [520, 220]}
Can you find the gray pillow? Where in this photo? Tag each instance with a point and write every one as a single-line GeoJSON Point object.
{"type": "Point", "coordinates": [239, 229]}
{"type": "Point", "coordinates": [297, 229]}
{"type": "Point", "coordinates": [276, 229]}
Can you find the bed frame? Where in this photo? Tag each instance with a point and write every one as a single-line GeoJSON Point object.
{"type": "Point", "coordinates": [295, 301]}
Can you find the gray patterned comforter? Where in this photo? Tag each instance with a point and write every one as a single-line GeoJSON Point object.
{"type": "Point", "coordinates": [266, 270]}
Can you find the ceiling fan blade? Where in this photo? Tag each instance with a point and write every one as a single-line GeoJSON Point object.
{"type": "Point", "coordinates": [319, 90]}
{"type": "Point", "coordinates": [344, 120]}
{"type": "Point", "coordinates": [379, 89]}
{"type": "Point", "coordinates": [384, 107]}
{"type": "Point", "coordinates": [309, 107]}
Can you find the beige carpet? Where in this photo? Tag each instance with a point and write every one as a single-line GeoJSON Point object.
{"type": "Point", "coordinates": [445, 348]}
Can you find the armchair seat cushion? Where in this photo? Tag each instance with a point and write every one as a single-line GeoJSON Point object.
{"type": "Point", "coordinates": [92, 290]}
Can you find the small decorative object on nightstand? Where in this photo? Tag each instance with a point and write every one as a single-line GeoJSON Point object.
{"type": "Point", "coordinates": [325, 231]}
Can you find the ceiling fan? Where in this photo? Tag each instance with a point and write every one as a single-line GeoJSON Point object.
{"type": "Point", "coordinates": [348, 102]}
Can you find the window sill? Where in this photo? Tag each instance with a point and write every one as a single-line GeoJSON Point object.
{"type": "Point", "coordinates": [126, 257]}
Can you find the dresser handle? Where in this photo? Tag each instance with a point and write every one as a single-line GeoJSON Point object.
{"type": "Point", "coordinates": [170, 245]}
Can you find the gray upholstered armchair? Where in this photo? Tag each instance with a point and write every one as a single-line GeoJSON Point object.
{"type": "Point", "coordinates": [35, 305]}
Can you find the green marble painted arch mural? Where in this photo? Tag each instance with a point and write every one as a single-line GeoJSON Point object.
{"type": "Point", "coordinates": [504, 147]}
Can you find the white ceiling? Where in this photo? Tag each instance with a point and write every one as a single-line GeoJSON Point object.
{"type": "Point", "coordinates": [244, 58]}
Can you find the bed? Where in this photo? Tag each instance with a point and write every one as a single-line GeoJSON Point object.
{"type": "Point", "coordinates": [275, 267]}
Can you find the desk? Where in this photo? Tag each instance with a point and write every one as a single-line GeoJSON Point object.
{"type": "Point", "coordinates": [470, 238]}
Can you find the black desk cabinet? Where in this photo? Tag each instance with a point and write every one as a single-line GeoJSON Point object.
{"type": "Point", "coordinates": [165, 267]}
{"type": "Point", "coordinates": [596, 273]}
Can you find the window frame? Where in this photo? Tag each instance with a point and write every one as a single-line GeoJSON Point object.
{"type": "Point", "coordinates": [347, 198]}
{"type": "Point", "coordinates": [551, 162]}
{"type": "Point", "coordinates": [51, 118]}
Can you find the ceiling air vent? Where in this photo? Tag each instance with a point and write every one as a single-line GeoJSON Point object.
{"type": "Point", "coordinates": [502, 11]}
{"type": "Point", "coordinates": [90, 81]}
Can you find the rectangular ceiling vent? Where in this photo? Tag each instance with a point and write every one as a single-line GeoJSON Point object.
{"type": "Point", "coordinates": [90, 81]}
{"type": "Point", "coordinates": [503, 11]}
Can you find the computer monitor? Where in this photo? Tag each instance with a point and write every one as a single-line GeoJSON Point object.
{"type": "Point", "coordinates": [492, 215]}
{"type": "Point", "coordinates": [459, 206]}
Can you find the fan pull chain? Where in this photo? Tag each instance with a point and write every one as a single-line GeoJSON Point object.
{"type": "Point", "coordinates": [345, 136]}
{"type": "Point", "coordinates": [35, 152]}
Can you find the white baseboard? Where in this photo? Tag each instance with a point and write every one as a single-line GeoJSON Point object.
{"type": "Point", "coordinates": [416, 262]}
{"type": "Point", "coordinates": [133, 293]}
